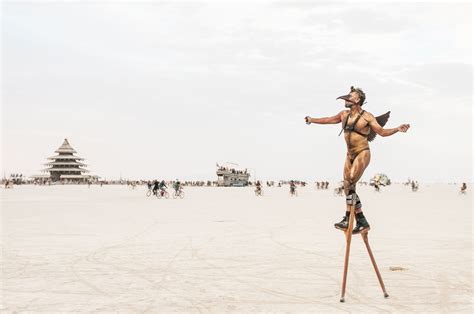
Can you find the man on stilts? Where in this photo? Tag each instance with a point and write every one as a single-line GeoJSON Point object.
{"type": "Point", "coordinates": [359, 128]}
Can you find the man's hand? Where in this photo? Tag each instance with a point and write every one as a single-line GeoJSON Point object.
{"type": "Point", "coordinates": [403, 128]}
{"type": "Point", "coordinates": [307, 119]}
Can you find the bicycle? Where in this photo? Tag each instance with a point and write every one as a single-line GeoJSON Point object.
{"type": "Point", "coordinates": [179, 193]}
{"type": "Point", "coordinates": [163, 194]}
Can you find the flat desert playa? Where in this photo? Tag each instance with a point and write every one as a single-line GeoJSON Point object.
{"type": "Point", "coordinates": [112, 249]}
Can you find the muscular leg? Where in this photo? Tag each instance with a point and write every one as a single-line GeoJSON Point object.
{"type": "Point", "coordinates": [353, 171]}
{"type": "Point", "coordinates": [347, 171]}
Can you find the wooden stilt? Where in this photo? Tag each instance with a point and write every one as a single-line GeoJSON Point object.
{"type": "Point", "coordinates": [365, 236]}
{"type": "Point", "coordinates": [348, 234]}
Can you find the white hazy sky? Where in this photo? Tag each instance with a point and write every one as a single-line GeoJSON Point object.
{"type": "Point", "coordinates": [169, 89]}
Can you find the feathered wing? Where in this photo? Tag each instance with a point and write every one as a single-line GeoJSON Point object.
{"type": "Point", "coordinates": [382, 120]}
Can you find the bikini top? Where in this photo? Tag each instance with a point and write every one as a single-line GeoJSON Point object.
{"type": "Point", "coordinates": [351, 128]}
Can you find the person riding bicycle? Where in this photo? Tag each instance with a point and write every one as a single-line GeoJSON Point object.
{"type": "Point", "coordinates": [292, 187]}
{"type": "Point", "coordinates": [258, 187]}
{"type": "Point", "coordinates": [156, 186]}
{"type": "Point", "coordinates": [177, 186]}
{"type": "Point", "coordinates": [162, 186]}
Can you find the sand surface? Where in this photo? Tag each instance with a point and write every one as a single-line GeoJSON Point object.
{"type": "Point", "coordinates": [112, 249]}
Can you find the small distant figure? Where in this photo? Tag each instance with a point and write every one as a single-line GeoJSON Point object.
{"type": "Point", "coordinates": [293, 188]}
{"type": "Point", "coordinates": [463, 188]}
{"type": "Point", "coordinates": [178, 189]}
{"type": "Point", "coordinates": [163, 186]}
{"type": "Point", "coordinates": [258, 189]}
{"type": "Point", "coordinates": [414, 186]}
{"type": "Point", "coordinates": [376, 186]}
{"type": "Point", "coordinates": [8, 184]}
{"type": "Point", "coordinates": [156, 186]}
{"type": "Point", "coordinates": [317, 185]}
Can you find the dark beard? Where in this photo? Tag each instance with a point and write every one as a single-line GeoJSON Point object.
{"type": "Point", "coordinates": [348, 105]}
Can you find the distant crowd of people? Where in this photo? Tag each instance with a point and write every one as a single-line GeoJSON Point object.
{"type": "Point", "coordinates": [413, 184]}
{"type": "Point", "coordinates": [17, 179]}
{"type": "Point", "coordinates": [184, 183]}
{"type": "Point", "coordinates": [232, 170]}
{"type": "Point", "coordinates": [323, 185]}
{"type": "Point", "coordinates": [295, 182]}
{"type": "Point", "coordinates": [14, 179]}
{"type": "Point", "coordinates": [292, 184]}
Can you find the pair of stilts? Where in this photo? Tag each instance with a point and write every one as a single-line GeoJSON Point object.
{"type": "Point", "coordinates": [365, 237]}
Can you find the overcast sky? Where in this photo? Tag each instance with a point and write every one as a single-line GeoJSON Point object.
{"type": "Point", "coordinates": [167, 90]}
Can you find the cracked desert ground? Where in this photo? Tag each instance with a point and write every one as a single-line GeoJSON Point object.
{"type": "Point", "coordinates": [112, 249]}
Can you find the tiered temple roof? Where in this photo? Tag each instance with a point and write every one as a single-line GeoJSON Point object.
{"type": "Point", "coordinates": [65, 165]}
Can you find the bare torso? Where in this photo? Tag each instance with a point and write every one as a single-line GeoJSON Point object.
{"type": "Point", "coordinates": [356, 142]}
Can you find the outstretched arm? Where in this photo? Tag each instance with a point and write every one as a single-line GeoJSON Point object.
{"type": "Point", "coordinates": [328, 120]}
{"type": "Point", "coordinates": [384, 132]}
